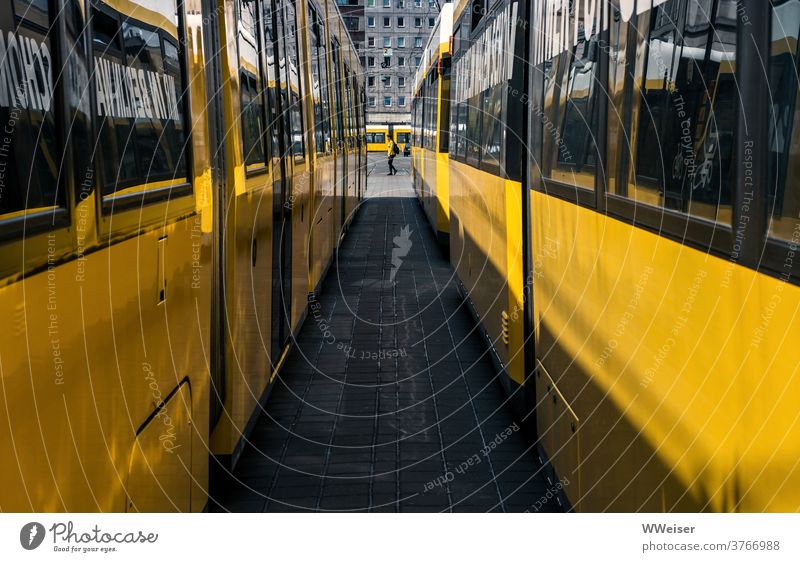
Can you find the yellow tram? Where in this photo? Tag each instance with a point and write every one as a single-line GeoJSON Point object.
{"type": "Point", "coordinates": [402, 135]}
{"type": "Point", "coordinates": [377, 137]}
{"type": "Point", "coordinates": [430, 114]}
{"type": "Point", "coordinates": [175, 180]}
{"type": "Point", "coordinates": [627, 235]}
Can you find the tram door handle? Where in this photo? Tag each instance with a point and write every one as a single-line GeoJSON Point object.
{"type": "Point", "coordinates": [161, 266]}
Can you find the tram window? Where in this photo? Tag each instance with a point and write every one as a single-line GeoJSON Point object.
{"type": "Point", "coordinates": [414, 121]}
{"type": "Point", "coordinates": [316, 93]}
{"type": "Point", "coordinates": [621, 45]}
{"type": "Point", "coordinates": [325, 97]}
{"type": "Point", "coordinates": [478, 8]}
{"type": "Point", "coordinates": [348, 107]}
{"type": "Point", "coordinates": [444, 128]}
{"type": "Point", "coordinates": [380, 138]}
{"type": "Point", "coordinates": [140, 105]}
{"type": "Point", "coordinates": [252, 115]}
{"type": "Point", "coordinates": [458, 127]}
{"type": "Point", "coordinates": [576, 154]}
{"type": "Point", "coordinates": [295, 94]}
{"type": "Point", "coordinates": [458, 121]}
{"type": "Point", "coordinates": [417, 133]}
{"type": "Point", "coordinates": [784, 136]}
{"type": "Point", "coordinates": [473, 135]}
{"type": "Point", "coordinates": [455, 106]}
{"type": "Point", "coordinates": [337, 92]}
{"type": "Point", "coordinates": [432, 115]}
{"type": "Point", "coordinates": [420, 118]}
{"type": "Point", "coordinates": [492, 129]}
{"type": "Point", "coordinates": [29, 155]}
{"type": "Point", "coordinates": [271, 92]}
{"type": "Point", "coordinates": [685, 112]}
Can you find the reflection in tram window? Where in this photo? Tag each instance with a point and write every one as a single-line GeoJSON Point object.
{"type": "Point", "coordinates": [325, 105]}
{"type": "Point", "coordinates": [336, 87]}
{"type": "Point", "coordinates": [492, 110]}
{"type": "Point", "coordinates": [316, 38]}
{"type": "Point", "coordinates": [348, 105]}
{"type": "Point", "coordinates": [622, 43]}
{"type": "Point", "coordinates": [432, 115]}
{"type": "Point", "coordinates": [473, 131]}
{"type": "Point", "coordinates": [576, 155]}
{"type": "Point", "coordinates": [139, 90]}
{"type": "Point", "coordinates": [295, 108]}
{"type": "Point", "coordinates": [29, 156]}
{"type": "Point", "coordinates": [268, 27]}
{"type": "Point", "coordinates": [444, 129]}
{"type": "Point", "coordinates": [250, 86]}
{"type": "Point", "coordinates": [684, 115]}
{"type": "Point", "coordinates": [784, 135]}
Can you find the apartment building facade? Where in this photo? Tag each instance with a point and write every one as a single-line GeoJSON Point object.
{"type": "Point", "coordinates": [353, 16]}
{"type": "Point", "coordinates": [395, 34]}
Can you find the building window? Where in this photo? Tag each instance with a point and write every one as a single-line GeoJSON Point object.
{"type": "Point", "coordinates": [432, 4]}
{"type": "Point", "coordinates": [387, 22]}
{"type": "Point", "coordinates": [401, 101]}
{"type": "Point", "coordinates": [370, 3]}
{"type": "Point", "coordinates": [370, 61]}
{"type": "Point", "coordinates": [401, 42]}
{"type": "Point", "coordinates": [417, 3]}
{"type": "Point", "coordinates": [351, 23]}
{"type": "Point", "coordinates": [401, 22]}
{"type": "Point", "coordinates": [387, 3]}
{"type": "Point", "coordinates": [417, 61]}
{"type": "Point", "coordinates": [418, 42]}
{"type": "Point", "coordinates": [401, 4]}
{"type": "Point", "coordinates": [431, 22]}
{"type": "Point", "coordinates": [387, 42]}
{"type": "Point", "coordinates": [370, 21]}
{"type": "Point", "coordinates": [370, 41]}
{"type": "Point", "coordinates": [387, 101]}
{"type": "Point", "coordinates": [370, 80]}
{"type": "Point", "coordinates": [417, 22]}
{"type": "Point", "coordinates": [401, 61]}
{"type": "Point", "coordinates": [372, 101]}
{"type": "Point", "coordinates": [401, 81]}
{"type": "Point", "coordinates": [387, 80]}
{"type": "Point", "coordinates": [341, 2]}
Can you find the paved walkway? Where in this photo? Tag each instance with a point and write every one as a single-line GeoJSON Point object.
{"type": "Point", "coordinates": [388, 401]}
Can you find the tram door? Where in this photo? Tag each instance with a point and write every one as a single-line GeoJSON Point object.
{"type": "Point", "coordinates": [216, 135]}
{"type": "Point", "coordinates": [274, 18]}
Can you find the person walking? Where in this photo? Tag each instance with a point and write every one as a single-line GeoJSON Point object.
{"type": "Point", "coordinates": [392, 151]}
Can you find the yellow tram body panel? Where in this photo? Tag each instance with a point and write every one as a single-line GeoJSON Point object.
{"type": "Point", "coordinates": [486, 252]}
{"type": "Point", "coordinates": [377, 138]}
{"type": "Point", "coordinates": [640, 329]}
